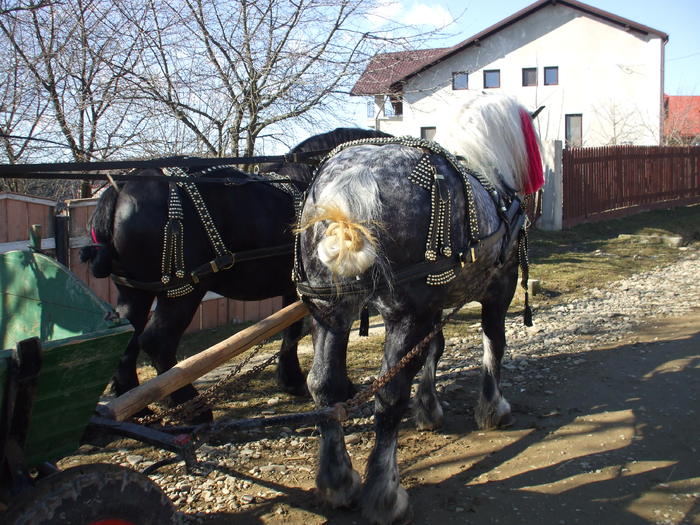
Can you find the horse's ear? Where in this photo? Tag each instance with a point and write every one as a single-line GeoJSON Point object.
{"type": "Point", "coordinates": [534, 114]}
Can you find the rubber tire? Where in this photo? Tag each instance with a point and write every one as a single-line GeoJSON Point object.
{"type": "Point", "coordinates": [88, 494]}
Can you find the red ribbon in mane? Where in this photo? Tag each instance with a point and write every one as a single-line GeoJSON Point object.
{"type": "Point", "coordinates": [94, 236]}
{"type": "Point", "coordinates": [535, 175]}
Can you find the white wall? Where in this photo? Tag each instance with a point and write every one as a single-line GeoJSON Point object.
{"type": "Point", "coordinates": [612, 77]}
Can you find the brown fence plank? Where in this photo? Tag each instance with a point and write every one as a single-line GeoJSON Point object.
{"type": "Point", "coordinates": [602, 180]}
{"type": "Point", "coordinates": [210, 310]}
{"type": "Point", "coordinates": [251, 311]}
{"type": "Point", "coordinates": [18, 226]}
{"type": "Point", "coordinates": [41, 214]}
{"type": "Point", "coordinates": [4, 221]}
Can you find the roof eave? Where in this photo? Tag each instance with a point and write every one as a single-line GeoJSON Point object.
{"type": "Point", "coordinates": [527, 11]}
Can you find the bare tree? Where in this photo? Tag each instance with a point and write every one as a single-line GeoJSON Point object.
{"type": "Point", "coordinates": [109, 78]}
{"type": "Point", "coordinates": [231, 72]}
{"type": "Point", "coordinates": [67, 49]}
{"type": "Point", "coordinates": [620, 124]}
{"type": "Point", "coordinates": [22, 119]}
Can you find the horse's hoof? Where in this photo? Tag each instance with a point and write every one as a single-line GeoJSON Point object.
{"type": "Point", "coordinates": [427, 419]}
{"type": "Point", "coordinates": [401, 513]}
{"type": "Point", "coordinates": [344, 495]}
{"type": "Point", "coordinates": [298, 390]}
{"type": "Point", "coordinates": [506, 421]}
{"type": "Point", "coordinates": [490, 416]}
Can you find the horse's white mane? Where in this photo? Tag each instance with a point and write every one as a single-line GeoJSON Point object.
{"type": "Point", "coordinates": [487, 132]}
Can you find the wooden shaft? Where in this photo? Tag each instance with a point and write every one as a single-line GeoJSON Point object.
{"type": "Point", "coordinates": [194, 367]}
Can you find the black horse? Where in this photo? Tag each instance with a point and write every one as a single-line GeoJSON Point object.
{"type": "Point", "coordinates": [128, 227]}
{"type": "Point", "coordinates": [405, 227]}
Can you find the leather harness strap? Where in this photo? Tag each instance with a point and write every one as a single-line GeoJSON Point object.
{"type": "Point", "coordinates": [224, 262]}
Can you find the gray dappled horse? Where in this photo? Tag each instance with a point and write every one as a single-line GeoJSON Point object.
{"type": "Point", "coordinates": [406, 228]}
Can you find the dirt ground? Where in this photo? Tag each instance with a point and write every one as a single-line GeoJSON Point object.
{"type": "Point", "coordinates": [608, 436]}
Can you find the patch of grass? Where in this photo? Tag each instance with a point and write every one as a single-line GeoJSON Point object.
{"type": "Point", "coordinates": [593, 255]}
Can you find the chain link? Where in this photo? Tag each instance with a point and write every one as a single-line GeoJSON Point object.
{"type": "Point", "coordinates": [197, 404]}
{"type": "Point", "coordinates": [363, 396]}
{"type": "Point", "coordinates": [343, 410]}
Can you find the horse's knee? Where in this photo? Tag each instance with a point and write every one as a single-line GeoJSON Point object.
{"type": "Point", "coordinates": [327, 390]}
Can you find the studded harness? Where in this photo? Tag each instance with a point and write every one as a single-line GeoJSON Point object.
{"type": "Point", "coordinates": [441, 260]}
{"type": "Point", "coordinates": [175, 281]}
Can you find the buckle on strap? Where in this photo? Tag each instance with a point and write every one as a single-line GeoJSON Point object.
{"type": "Point", "coordinates": [223, 262]}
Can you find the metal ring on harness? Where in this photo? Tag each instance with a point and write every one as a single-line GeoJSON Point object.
{"type": "Point", "coordinates": [233, 261]}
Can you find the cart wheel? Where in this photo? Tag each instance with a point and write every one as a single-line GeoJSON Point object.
{"type": "Point", "coordinates": [95, 494]}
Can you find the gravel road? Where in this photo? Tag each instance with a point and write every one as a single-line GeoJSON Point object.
{"type": "Point", "coordinates": [267, 477]}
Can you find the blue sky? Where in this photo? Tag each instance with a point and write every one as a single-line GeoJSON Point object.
{"type": "Point", "coordinates": [680, 19]}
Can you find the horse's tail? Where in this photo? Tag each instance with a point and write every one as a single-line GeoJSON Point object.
{"type": "Point", "coordinates": [100, 253]}
{"type": "Point", "coordinates": [347, 248]}
{"type": "Point", "coordinates": [344, 217]}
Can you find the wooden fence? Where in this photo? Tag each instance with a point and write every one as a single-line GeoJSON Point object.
{"type": "Point", "coordinates": [613, 181]}
{"type": "Point", "coordinates": [19, 212]}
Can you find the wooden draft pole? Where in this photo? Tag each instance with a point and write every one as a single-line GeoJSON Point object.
{"type": "Point", "coordinates": [194, 367]}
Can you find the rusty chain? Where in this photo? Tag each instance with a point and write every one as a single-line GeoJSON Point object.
{"type": "Point", "coordinates": [363, 396]}
{"type": "Point", "coordinates": [342, 411]}
{"type": "Point", "coordinates": [204, 400]}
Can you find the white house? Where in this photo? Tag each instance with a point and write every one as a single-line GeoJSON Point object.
{"type": "Point", "coordinates": [599, 76]}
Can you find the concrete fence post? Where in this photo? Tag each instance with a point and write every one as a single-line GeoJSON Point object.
{"type": "Point", "coordinates": [553, 191]}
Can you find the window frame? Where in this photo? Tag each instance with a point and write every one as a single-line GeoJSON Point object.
{"type": "Point", "coordinates": [529, 69]}
{"type": "Point", "coordinates": [567, 129]}
{"type": "Point", "coordinates": [455, 74]}
{"type": "Point", "coordinates": [486, 72]}
{"type": "Point", "coordinates": [551, 68]}
{"type": "Point", "coordinates": [395, 105]}
{"type": "Point", "coordinates": [371, 109]}
{"type": "Point", "coordinates": [424, 131]}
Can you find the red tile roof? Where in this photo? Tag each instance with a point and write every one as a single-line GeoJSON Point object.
{"type": "Point", "coordinates": [682, 116]}
{"type": "Point", "coordinates": [386, 70]}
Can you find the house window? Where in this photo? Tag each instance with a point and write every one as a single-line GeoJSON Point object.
{"type": "Point", "coordinates": [428, 133]}
{"type": "Point", "coordinates": [393, 106]}
{"type": "Point", "coordinates": [370, 109]}
{"type": "Point", "coordinates": [460, 80]}
{"type": "Point", "coordinates": [492, 78]}
{"type": "Point", "coordinates": [529, 76]}
{"type": "Point", "coordinates": [551, 76]}
{"type": "Point", "coordinates": [574, 131]}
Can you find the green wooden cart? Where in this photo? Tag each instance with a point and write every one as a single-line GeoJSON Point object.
{"type": "Point", "coordinates": [59, 346]}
